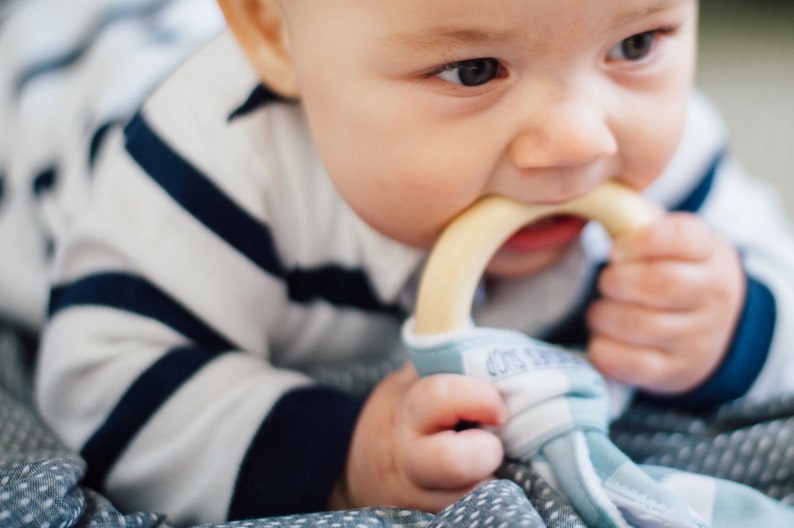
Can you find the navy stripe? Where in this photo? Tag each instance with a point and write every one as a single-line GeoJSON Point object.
{"type": "Point", "coordinates": [142, 400]}
{"type": "Point", "coordinates": [744, 360]}
{"type": "Point", "coordinates": [44, 181]}
{"type": "Point", "coordinates": [297, 455]}
{"type": "Point", "coordinates": [134, 294]}
{"type": "Point", "coordinates": [68, 57]}
{"type": "Point", "coordinates": [339, 287]}
{"type": "Point", "coordinates": [197, 194]}
{"type": "Point", "coordinates": [694, 201]}
{"type": "Point", "coordinates": [97, 140]}
{"type": "Point", "coordinates": [259, 97]}
{"type": "Point", "coordinates": [2, 186]}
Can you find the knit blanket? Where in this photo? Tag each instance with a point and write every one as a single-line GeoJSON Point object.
{"type": "Point", "coordinates": [747, 443]}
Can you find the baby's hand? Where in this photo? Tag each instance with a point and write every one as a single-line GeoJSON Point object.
{"type": "Point", "coordinates": [405, 450]}
{"type": "Point", "coordinates": [672, 295]}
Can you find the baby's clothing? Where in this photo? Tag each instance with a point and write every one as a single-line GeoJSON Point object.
{"type": "Point", "coordinates": [70, 73]}
{"type": "Point", "coordinates": [215, 262]}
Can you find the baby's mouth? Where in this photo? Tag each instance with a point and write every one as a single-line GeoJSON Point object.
{"type": "Point", "coordinates": [546, 233]}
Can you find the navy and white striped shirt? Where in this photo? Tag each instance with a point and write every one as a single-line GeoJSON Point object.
{"type": "Point", "coordinates": [214, 263]}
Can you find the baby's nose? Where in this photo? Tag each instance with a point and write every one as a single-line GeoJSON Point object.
{"type": "Point", "coordinates": [564, 134]}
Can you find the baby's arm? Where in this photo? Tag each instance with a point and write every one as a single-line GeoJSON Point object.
{"type": "Point", "coordinates": [172, 417]}
{"type": "Point", "coordinates": [156, 361]}
{"type": "Point", "coordinates": [406, 450]}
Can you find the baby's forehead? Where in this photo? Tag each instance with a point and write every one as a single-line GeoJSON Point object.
{"type": "Point", "coordinates": [499, 21]}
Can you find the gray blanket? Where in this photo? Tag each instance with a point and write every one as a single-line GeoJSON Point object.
{"type": "Point", "coordinates": [40, 479]}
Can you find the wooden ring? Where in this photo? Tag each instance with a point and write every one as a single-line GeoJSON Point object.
{"type": "Point", "coordinates": [459, 257]}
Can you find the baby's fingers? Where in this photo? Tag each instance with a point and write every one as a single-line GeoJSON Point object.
{"type": "Point", "coordinates": [441, 401]}
{"type": "Point", "coordinates": [661, 284]}
{"type": "Point", "coordinates": [645, 367]}
{"type": "Point", "coordinates": [677, 235]}
{"type": "Point", "coordinates": [434, 454]}
{"type": "Point", "coordinates": [644, 327]}
{"type": "Point", "coordinates": [452, 460]}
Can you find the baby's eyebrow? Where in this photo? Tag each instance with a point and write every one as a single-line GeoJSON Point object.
{"type": "Point", "coordinates": [648, 9]}
{"type": "Point", "coordinates": [447, 37]}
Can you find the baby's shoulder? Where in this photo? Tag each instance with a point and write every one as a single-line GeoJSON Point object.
{"type": "Point", "coordinates": [215, 114]}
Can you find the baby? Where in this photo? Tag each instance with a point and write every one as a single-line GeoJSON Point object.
{"type": "Point", "coordinates": [269, 208]}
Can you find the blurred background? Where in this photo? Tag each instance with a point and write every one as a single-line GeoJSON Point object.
{"type": "Point", "coordinates": [747, 67]}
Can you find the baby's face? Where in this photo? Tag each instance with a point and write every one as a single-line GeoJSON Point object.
{"type": "Point", "coordinates": [420, 107]}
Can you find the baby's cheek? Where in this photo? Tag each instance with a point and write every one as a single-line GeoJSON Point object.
{"type": "Point", "coordinates": [647, 149]}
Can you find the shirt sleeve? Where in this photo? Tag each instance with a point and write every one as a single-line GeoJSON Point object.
{"type": "Point", "coordinates": [156, 361]}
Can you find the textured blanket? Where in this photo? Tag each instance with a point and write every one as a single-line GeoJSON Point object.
{"type": "Point", "coordinates": [749, 443]}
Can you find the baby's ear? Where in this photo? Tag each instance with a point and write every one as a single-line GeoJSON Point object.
{"type": "Point", "coordinates": [260, 28]}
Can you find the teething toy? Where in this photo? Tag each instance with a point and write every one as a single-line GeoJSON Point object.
{"type": "Point", "coordinates": [558, 404]}
{"type": "Point", "coordinates": [459, 257]}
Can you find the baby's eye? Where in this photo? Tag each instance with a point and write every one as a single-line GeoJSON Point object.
{"type": "Point", "coordinates": [634, 48]}
{"type": "Point", "coordinates": [474, 72]}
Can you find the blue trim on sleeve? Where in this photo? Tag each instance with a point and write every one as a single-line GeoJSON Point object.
{"type": "Point", "coordinates": [134, 294]}
{"type": "Point", "coordinates": [694, 200]}
{"type": "Point", "coordinates": [297, 455]}
{"type": "Point", "coordinates": [198, 195]}
{"type": "Point", "coordinates": [745, 358]}
{"type": "Point", "coordinates": [142, 400]}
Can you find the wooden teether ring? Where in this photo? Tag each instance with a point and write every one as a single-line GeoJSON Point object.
{"type": "Point", "coordinates": [460, 255]}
